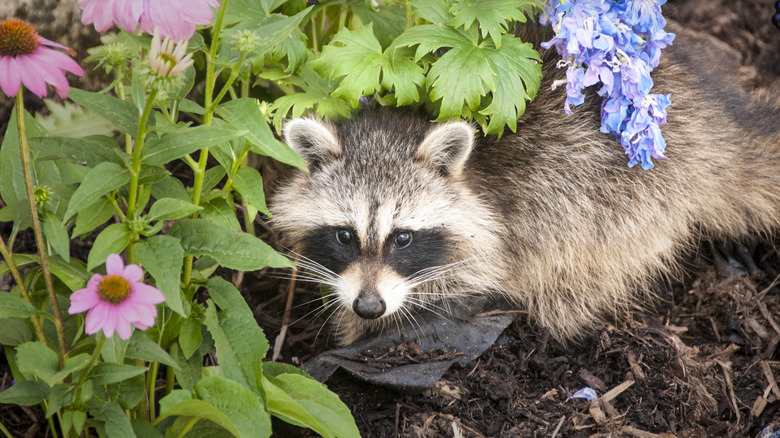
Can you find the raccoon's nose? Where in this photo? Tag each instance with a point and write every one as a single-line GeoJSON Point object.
{"type": "Point", "coordinates": [369, 305]}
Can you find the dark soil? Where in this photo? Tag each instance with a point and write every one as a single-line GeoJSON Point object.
{"type": "Point", "coordinates": [702, 361]}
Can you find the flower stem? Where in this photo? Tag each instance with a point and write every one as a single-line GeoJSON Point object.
{"type": "Point", "coordinates": [101, 339]}
{"type": "Point", "coordinates": [20, 282]}
{"type": "Point", "coordinates": [5, 431]}
{"type": "Point", "coordinates": [25, 154]}
{"type": "Point", "coordinates": [136, 170]}
{"type": "Point", "coordinates": [200, 171]}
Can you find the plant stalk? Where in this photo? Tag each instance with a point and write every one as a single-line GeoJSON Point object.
{"type": "Point", "coordinates": [20, 282]}
{"type": "Point", "coordinates": [25, 155]}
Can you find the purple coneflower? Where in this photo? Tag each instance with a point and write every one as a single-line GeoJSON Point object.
{"type": "Point", "coordinates": [175, 18]}
{"type": "Point", "coordinates": [117, 300]}
{"type": "Point", "coordinates": [25, 58]}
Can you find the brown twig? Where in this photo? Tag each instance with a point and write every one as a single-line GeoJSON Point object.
{"type": "Point", "coordinates": [286, 317]}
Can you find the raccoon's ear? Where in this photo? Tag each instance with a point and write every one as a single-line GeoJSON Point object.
{"type": "Point", "coordinates": [311, 139]}
{"type": "Point", "coordinates": [447, 146]}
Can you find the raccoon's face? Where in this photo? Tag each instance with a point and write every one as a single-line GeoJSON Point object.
{"type": "Point", "coordinates": [381, 215]}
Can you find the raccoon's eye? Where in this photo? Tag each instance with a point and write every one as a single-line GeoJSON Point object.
{"type": "Point", "coordinates": [403, 239]}
{"type": "Point", "coordinates": [344, 236]}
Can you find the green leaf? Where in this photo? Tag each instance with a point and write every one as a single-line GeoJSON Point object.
{"type": "Point", "coordinates": [190, 337]}
{"type": "Point", "coordinates": [189, 371]}
{"type": "Point", "coordinates": [219, 212]}
{"type": "Point", "coordinates": [12, 306]}
{"type": "Point", "coordinates": [12, 188]}
{"type": "Point", "coordinates": [249, 184]}
{"type": "Point", "coordinates": [141, 347]}
{"type": "Point", "coordinates": [402, 75]}
{"type": "Point", "coordinates": [171, 208]}
{"type": "Point", "coordinates": [227, 297]}
{"type": "Point", "coordinates": [433, 11]}
{"type": "Point", "coordinates": [232, 250]}
{"type": "Point", "coordinates": [359, 61]}
{"type": "Point", "coordinates": [114, 350]}
{"type": "Point", "coordinates": [243, 407]}
{"type": "Point", "coordinates": [170, 187]}
{"type": "Point", "coordinates": [105, 373]}
{"type": "Point", "coordinates": [87, 151]}
{"type": "Point", "coordinates": [28, 393]}
{"type": "Point", "coordinates": [316, 93]}
{"type": "Point", "coordinates": [469, 71]}
{"type": "Point", "coordinates": [162, 256]}
{"type": "Point", "coordinates": [128, 393]}
{"type": "Point", "coordinates": [38, 360]}
{"type": "Point", "coordinates": [72, 364]}
{"type": "Point", "coordinates": [518, 79]}
{"type": "Point", "coordinates": [101, 180]}
{"type": "Point", "coordinates": [15, 332]}
{"type": "Point", "coordinates": [494, 16]}
{"type": "Point", "coordinates": [186, 141]}
{"type": "Point", "coordinates": [387, 20]}
{"type": "Point", "coordinates": [117, 424]}
{"type": "Point", "coordinates": [56, 235]}
{"type": "Point", "coordinates": [121, 113]}
{"type": "Point", "coordinates": [306, 401]}
{"type": "Point", "coordinates": [93, 216]}
{"type": "Point", "coordinates": [144, 429]}
{"type": "Point", "coordinates": [240, 343]}
{"type": "Point", "coordinates": [201, 409]}
{"type": "Point", "coordinates": [112, 240]}
{"type": "Point", "coordinates": [244, 114]}
{"type": "Point", "coordinates": [73, 275]}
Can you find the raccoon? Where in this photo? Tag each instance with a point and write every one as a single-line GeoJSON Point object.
{"type": "Point", "coordinates": [398, 212]}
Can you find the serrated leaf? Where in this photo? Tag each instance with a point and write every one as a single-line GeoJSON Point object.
{"type": "Point", "coordinates": [105, 373]}
{"type": "Point", "coordinates": [70, 120]}
{"type": "Point", "coordinates": [244, 114]}
{"type": "Point", "coordinates": [12, 306]}
{"type": "Point", "coordinates": [101, 180]}
{"type": "Point", "coordinates": [358, 61]}
{"type": "Point", "coordinates": [316, 93]}
{"type": "Point", "coordinates": [389, 21]}
{"type": "Point", "coordinates": [112, 240]}
{"type": "Point", "coordinates": [28, 393]}
{"type": "Point", "coordinates": [56, 235]}
{"type": "Point", "coordinates": [230, 249]}
{"type": "Point", "coordinates": [493, 16]}
{"type": "Point", "coordinates": [184, 142]}
{"type": "Point", "coordinates": [189, 370]}
{"type": "Point", "coordinates": [433, 11]}
{"type": "Point", "coordinates": [162, 256]}
{"type": "Point", "coordinates": [401, 75]}
{"type": "Point", "coordinates": [121, 113]}
{"type": "Point", "coordinates": [249, 184]}
{"type": "Point", "coordinates": [518, 80]}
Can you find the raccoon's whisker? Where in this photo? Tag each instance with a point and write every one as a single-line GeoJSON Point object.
{"type": "Point", "coordinates": [303, 278]}
{"type": "Point", "coordinates": [431, 307]}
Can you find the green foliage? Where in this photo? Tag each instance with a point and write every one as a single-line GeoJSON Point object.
{"type": "Point", "coordinates": [114, 180]}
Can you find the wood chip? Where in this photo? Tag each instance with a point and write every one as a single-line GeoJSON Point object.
{"type": "Point", "coordinates": [616, 391]}
{"type": "Point", "coordinates": [758, 406]}
{"type": "Point", "coordinates": [635, 367]}
{"type": "Point", "coordinates": [591, 380]}
{"type": "Point", "coordinates": [732, 397]}
{"type": "Point", "coordinates": [770, 377]}
{"type": "Point", "coordinates": [630, 431]}
{"type": "Point", "coordinates": [758, 328]}
{"type": "Point", "coordinates": [597, 413]}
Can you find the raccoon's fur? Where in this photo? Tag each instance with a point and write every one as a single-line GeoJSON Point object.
{"type": "Point", "coordinates": [551, 215]}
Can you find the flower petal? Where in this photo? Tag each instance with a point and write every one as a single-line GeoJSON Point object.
{"type": "Point", "coordinates": [133, 273]}
{"type": "Point", "coordinates": [83, 299]}
{"type": "Point", "coordinates": [144, 294]}
{"type": "Point", "coordinates": [112, 320]}
{"type": "Point", "coordinates": [31, 75]}
{"type": "Point", "coordinates": [96, 317]}
{"type": "Point", "coordinates": [123, 327]}
{"type": "Point", "coordinates": [114, 264]}
{"type": "Point", "coordinates": [10, 79]}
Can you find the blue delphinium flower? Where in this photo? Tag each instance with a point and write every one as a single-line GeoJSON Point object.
{"type": "Point", "coordinates": [617, 44]}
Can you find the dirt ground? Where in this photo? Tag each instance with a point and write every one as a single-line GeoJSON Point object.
{"type": "Point", "coordinates": [704, 361]}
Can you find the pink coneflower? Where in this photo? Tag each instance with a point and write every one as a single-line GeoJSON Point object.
{"type": "Point", "coordinates": [117, 300]}
{"type": "Point", "coordinates": [175, 18]}
{"type": "Point", "coordinates": [25, 59]}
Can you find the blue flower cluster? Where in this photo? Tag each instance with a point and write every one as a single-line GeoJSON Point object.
{"type": "Point", "coordinates": [616, 43]}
